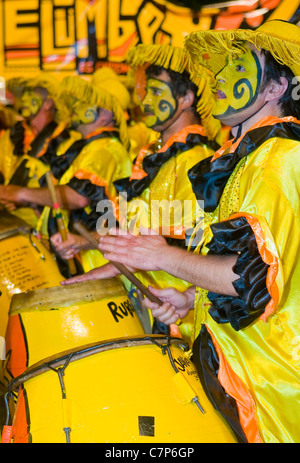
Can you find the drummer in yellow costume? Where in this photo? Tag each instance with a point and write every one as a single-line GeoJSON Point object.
{"type": "Point", "coordinates": [246, 272]}
{"type": "Point", "coordinates": [86, 171]}
{"type": "Point", "coordinates": [179, 107]}
{"type": "Point", "coordinates": [44, 117]}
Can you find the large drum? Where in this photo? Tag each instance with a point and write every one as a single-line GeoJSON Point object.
{"type": "Point", "coordinates": [142, 389]}
{"type": "Point", "coordinates": [51, 320]}
{"type": "Point", "coordinates": [25, 263]}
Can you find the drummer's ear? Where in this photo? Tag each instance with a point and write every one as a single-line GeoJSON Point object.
{"type": "Point", "coordinates": [49, 104]}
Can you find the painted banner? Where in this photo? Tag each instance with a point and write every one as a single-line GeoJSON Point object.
{"type": "Point", "coordinates": [78, 36]}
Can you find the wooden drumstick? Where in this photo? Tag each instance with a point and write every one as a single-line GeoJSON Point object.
{"type": "Point", "coordinates": [124, 270]}
{"type": "Point", "coordinates": [59, 219]}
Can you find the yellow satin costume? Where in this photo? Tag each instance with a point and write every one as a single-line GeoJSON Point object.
{"type": "Point", "coordinates": [172, 184]}
{"type": "Point", "coordinates": [100, 162]}
{"type": "Point", "coordinates": [9, 163]}
{"type": "Point", "coordinates": [260, 364]}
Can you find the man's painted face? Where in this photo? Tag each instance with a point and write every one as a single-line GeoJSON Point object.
{"type": "Point", "coordinates": [83, 113]}
{"type": "Point", "coordinates": [159, 104]}
{"type": "Point", "coordinates": [30, 103]}
{"type": "Point", "coordinates": [238, 85]}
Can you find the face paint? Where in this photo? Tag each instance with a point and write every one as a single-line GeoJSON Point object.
{"type": "Point", "coordinates": [83, 114]}
{"type": "Point", "coordinates": [159, 104]}
{"type": "Point", "coordinates": [238, 85]}
{"type": "Point", "coordinates": [30, 103]}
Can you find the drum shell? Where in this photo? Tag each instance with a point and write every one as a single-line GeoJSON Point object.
{"type": "Point", "coordinates": [119, 395]}
{"type": "Point", "coordinates": [25, 265]}
{"type": "Point", "coordinates": [47, 321]}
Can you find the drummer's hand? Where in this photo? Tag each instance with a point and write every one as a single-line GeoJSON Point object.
{"type": "Point", "coordinates": [139, 251]}
{"type": "Point", "coordinates": [100, 273]}
{"type": "Point", "coordinates": [69, 248]}
{"type": "Point", "coordinates": [8, 206]}
{"type": "Point", "coordinates": [176, 304]}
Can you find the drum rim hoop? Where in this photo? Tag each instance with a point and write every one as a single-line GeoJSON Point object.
{"type": "Point", "coordinates": [15, 225]}
{"type": "Point", "coordinates": [88, 350]}
{"type": "Point", "coordinates": [57, 297]}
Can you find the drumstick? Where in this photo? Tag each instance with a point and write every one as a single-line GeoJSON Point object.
{"type": "Point", "coordinates": [59, 219]}
{"type": "Point", "coordinates": [124, 270]}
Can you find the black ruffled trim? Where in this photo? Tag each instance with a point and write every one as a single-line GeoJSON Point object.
{"type": "Point", "coordinates": [153, 163]}
{"type": "Point", "coordinates": [86, 188]}
{"type": "Point", "coordinates": [21, 175]}
{"type": "Point", "coordinates": [208, 178]}
{"type": "Point", "coordinates": [60, 164]}
{"type": "Point", "coordinates": [232, 237]}
{"type": "Point", "coordinates": [17, 134]}
{"type": "Point", "coordinates": [206, 361]}
{"type": "Point", "coordinates": [50, 155]}
{"type": "Point", "coordinates": [95, 194]}
{"type": "Point", "coordinates": [39, 141]}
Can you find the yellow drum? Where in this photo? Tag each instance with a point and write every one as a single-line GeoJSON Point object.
{"type": "Point", "coordinates": [51, 320]}
{"type": "Point", "coordinates": [142, 389]}
{"type": "Point", "coordinates": [25, 263]}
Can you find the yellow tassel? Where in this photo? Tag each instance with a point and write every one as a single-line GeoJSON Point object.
{"type": "Point", "coordinates": [281, 39]}
{"type": "Point", "coordinates": [85, 91]}
{"type": "Point", "coordinates": [178, 60]}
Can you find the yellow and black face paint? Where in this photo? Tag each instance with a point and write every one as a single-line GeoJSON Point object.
{"type": "Point", "coordinates": [83, 113]}
{"type": "Point", "coordinates": [160, 103]}
{"type": "Point", "coordinates": [30, 103]}
{"type": "Point", "coordinates": [238, 85]}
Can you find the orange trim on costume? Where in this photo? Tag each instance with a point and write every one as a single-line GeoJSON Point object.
{"type": "Point", "coordinates": [179, 137]}
{"type": "Point", "coordinates": [100, 130]}
{"type": "Point", "coordinates": [266, 121]}
{"type": "Point", "coordinates": [93, 178]}
{"type": "Point", "coordinates": [182, 135]}
{"type": "Point", "coordinates": [28, 136]}
{"type": "Point", "coordinates": [59, 129]}
{"type": "Point", "coordinates": [234, 386]}
{"type": "Point", "coordinates": [137, 172]}
{"type": "Point", "coordinates": [269, 259]}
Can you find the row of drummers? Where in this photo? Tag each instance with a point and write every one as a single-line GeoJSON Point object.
{"type": "Point", "coordinates": [82, 362]}
{"type": "Point", "coordinates": [80, 366]}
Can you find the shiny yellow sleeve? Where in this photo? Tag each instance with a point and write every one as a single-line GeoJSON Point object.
{"type": "Point", "coordinates": [272, 208]}
{"type": "Point", "coordinates": [101, 162]}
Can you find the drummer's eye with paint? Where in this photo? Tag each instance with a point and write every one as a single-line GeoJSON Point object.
{"type": "Point", "coordinates": [30, 103]}
{"type": "Point", "coordinates": [160, 102]}
{"type": "Point", "coordinates": [84, 113]}
{"type": "Point", "coordinates": [238, 85]}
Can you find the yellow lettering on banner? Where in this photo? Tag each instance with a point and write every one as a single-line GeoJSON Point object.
{"type": "Point", "coordinates": [21, 33]}
{"type": "Point", "coordinates": [149, 22]}
{"type": "Point", "coordinates": [96, 16]}
{"type": "Point", "coordinates": [57, 36]}
{"type": "Point", "coordinates": [77, 35]}
{"type": "Point", "coordinates": [122, 33]}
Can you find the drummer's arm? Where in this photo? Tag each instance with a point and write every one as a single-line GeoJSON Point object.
{"type": "Point", "coordinates": [67, 197]}
{"type": "Point", "coordinates": [100, 273]}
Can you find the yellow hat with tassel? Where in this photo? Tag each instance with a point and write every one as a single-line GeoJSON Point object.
{"type": "Point", "coordinates": [177, 59]}
{"type": "Point", "coordinates": [107, 79]}
{"type": "Point", "coordinates": [212, 48]}
{"type": "Point", "coordinates": [16, 86]}
{"type": "Point", "coordinates": [83, 90]}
